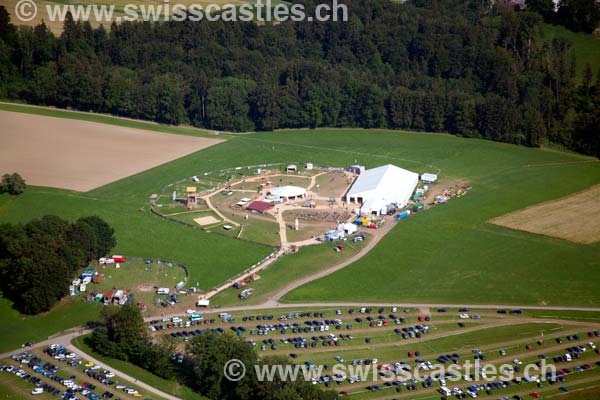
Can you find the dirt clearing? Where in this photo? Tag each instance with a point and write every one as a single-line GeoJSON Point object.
{"type": "Point", "coordinates": [575, 218]}
{"type": "Point", "coordinates": [209, 220]}
{"type": "Point", "coordinates": [81, 155]}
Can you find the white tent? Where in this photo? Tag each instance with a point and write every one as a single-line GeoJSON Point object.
{"type": "Point", "coordinates": [429, 178]}
{"type": "Point", "coordinates": [348, 228]}
{"type": "Point", "coordinates": [376, 188]}
{"type": "Point", "coordinates": [288, 192]}
{"type": "Point", "coordinates": [203, 303]}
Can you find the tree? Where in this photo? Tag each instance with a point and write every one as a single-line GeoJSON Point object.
{"type": "Point", "coordinates": [543, 7]}
{"type": "Point", "coordinates": [12, 184]}
{"type": "Point", "coordinates": [578, 15]}
{"type": "Point", "coordinates": [104, 234]}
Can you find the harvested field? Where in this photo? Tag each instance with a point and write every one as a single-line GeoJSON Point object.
{"type": "Point", "coordinates": [209, 220]}
{"type": "Point", "coordinates": [575, 218]}
{"type": "Point", "coordinates": [81, 155]}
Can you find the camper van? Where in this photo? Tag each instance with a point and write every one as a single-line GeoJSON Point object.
{"type": "Point", "coordinates": [445, 391]}
{"type": "Point", "coordinates": [163, 290]}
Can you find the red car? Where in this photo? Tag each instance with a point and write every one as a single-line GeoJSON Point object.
{"type": "Point", "coordinates": [535, 395]}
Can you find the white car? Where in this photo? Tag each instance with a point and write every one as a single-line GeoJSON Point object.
{"type": "Point", "coordinates": [37, 391]}
{"type": "Point", "coordinates": [592, 345]}
{"type": "Point", "coordinates": [463, 316]}
{"type": "Point", "coordinates": [190, 311]}
{"type": "Point", "coordinates": [516, 361]}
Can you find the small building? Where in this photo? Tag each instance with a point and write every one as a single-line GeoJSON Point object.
{"type": "Point", "coordinates": [428, 178]}
{"type": "Point", "coordinates": [193, 198]}
{"type": "Point", "coordinates": [118, 259]}
{"type": "Point", "coordinates": [259, 206]}
{"type": "Point", "coordinates": [309, 166]}
{"type": "Point", "coordinates": [291, 168]}
{"type": "Point", "coordinates": [356, 169]}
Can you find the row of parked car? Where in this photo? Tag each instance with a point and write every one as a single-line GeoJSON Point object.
{"type": "Point", "coordinates": [40, 386]}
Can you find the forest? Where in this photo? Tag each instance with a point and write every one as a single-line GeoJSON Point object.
{"type": "Point", "coordinates": [38, 260]}
{"type": "Point", "coordinates": [468, 68]}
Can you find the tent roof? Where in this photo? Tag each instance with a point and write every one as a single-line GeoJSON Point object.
{"type": "Point", "coordinates": [381, 178]}
{"type": "Point", "coordinates": [260, 206]}
{"type": "Point", "coordinates": [288, 191]}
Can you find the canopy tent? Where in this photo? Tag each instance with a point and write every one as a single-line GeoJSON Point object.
{"type": "Point", "coordinates": [288, 192]}
{"type": "Point", "coordinates": [259, 206]}
{"type": "Point", "coordinates": [429, 178]}
{"type": "Point", "coordinates": [379, 187]}
{"type": "Point", "coordinates": [347, 228]}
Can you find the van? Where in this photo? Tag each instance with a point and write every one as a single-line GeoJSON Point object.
{"type": "Point", "coordinates": [177, 320]}
{"type": "Point", "coordinates": [445, 391]}
{"type": "Point", "coordinates": [162, 290]}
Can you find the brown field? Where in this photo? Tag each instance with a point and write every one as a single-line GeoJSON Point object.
{"type": "Point", "coordinates": [81, 155]}
{"type": "Point", "coordinates": [575, 218]}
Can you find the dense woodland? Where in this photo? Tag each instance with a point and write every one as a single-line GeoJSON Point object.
{"type": "Point", "coordinates": [464, 67]}
{"type": "Point", "coordinates": [39, 260]}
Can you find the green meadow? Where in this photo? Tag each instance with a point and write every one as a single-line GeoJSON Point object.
{"type": "Point", "coordinates": [446, 254]}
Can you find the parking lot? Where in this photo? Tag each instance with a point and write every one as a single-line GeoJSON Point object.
{"type": "Point", "coordinates": [58, 372]}
{"type": "Point", "coordinates": [392, 339]}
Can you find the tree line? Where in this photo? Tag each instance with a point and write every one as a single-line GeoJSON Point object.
{"type": "Point", "coordinates": [576, 15]}
{"type": "Point", "coordinates": [38, 260]}
{"type": "Point", "coordinates": [469, 68]}
{"type": "Point", "coordinates": [122, 334]}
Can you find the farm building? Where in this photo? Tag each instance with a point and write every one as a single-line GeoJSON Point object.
{"type": "Point", "coordinates": [259, 206]}
{"type": "Point", "coordinates": [376, 188]}
{"type": "Point", "coordinates": [288, 192]}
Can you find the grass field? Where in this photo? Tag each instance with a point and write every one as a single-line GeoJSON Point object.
{"type": "Point", "coordinates": [309, 260]}
{"type": "Point", "coordinates": [585, 47]}
{"type": "Point", "coordinates": [140, 279]}
{"type": "Point", "coordinates": [18, 329]}
{"type": "Point", "coordinates": [446, 254]}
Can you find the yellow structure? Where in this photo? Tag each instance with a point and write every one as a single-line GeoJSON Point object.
{"type": "Point", "coordinates": [192, 197]}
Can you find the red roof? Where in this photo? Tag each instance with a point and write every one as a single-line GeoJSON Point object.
{"type": "Point", "coordinates": [260, 206]}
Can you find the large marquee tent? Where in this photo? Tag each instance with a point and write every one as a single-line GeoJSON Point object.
{"type": "Point", "coordinates": [379, 187]}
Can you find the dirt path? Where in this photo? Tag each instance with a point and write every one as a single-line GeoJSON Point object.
{"type": "Point", "coordinates": [214, 209]}
{"type": "Point", "coordinates": [377, 236]}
